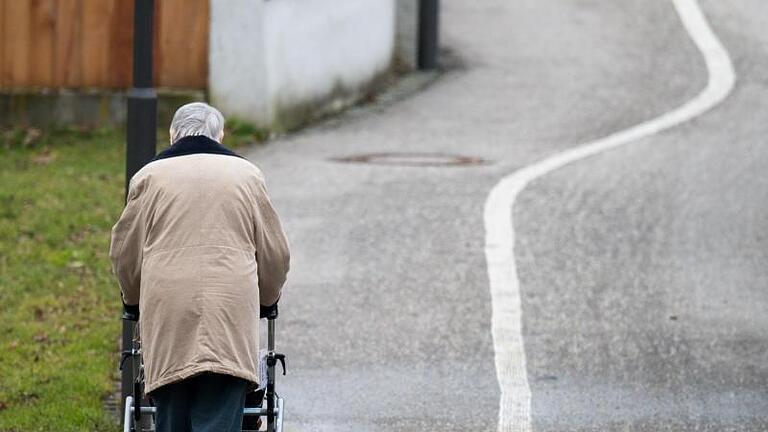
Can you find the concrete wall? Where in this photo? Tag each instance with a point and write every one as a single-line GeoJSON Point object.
{"type": "Point", "coordinates": [277, 63]}
{"type": "Point", "coordinates": [407, 40]}
{"type": "Point", "coordinates": [90, 108]}
{"type": "Point", "coordinates": [237, 64]}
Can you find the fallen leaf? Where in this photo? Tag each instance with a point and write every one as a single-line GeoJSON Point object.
{"type": "Point", "coordinates": [30, 396]}
{"type": "Point", "coordinates": [31, 136]}
{"type": "Point", "coordinates": [44, 157]}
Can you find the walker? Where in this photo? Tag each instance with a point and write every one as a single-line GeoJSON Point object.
{"type": "Point", "coordinates": [264, 402]}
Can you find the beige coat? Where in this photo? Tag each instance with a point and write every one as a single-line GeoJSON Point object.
{"type": "Point", "coordinates": [198, 247]}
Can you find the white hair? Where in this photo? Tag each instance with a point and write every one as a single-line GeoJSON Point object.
{"type": "Point", "coordinates": [197, 118]}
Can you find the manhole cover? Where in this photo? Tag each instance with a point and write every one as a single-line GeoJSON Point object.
{"type": "Point", "coordinates": [413, 159]}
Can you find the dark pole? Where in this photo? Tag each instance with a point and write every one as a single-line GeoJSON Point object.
{"type": "Point", "coordinates": [141, 127]}
{"type": "Point", "coordinates": [429, 11]}
{"type": "Point", "coordinates": [142, 99]}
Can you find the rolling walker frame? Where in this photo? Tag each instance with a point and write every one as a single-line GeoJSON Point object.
{"type": "Point", "coordinates": [136, 405]}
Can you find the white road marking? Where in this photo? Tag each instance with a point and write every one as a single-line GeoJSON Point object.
{"type": "Point", "coordinates": [506, 321]}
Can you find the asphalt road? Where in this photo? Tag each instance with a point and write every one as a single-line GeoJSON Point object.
{"type": "Point", "coordinates": [643, 269]}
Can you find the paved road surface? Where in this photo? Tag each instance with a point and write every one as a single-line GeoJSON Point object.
{"type": "Point", "coordinates": [643, 270]}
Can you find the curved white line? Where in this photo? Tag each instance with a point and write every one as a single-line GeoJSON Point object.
{"type": "Point", "coordinates": [506, 323]}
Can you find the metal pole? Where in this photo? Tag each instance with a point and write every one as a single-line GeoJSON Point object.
{"type": "Point", "coordinates": [141, 127]}
{"type": "Point", "coordinates": [270, 393]}
{"type": "Point", "coordinates": [429, 11]}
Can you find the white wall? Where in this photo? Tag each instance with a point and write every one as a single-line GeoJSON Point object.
{"type": "Point", "coordinates": [296, 54]}
{"type": "Point", "coordinates": [237, 82]}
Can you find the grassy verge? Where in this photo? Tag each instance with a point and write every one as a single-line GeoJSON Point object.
{"type": "Point", "coordinates": [60, 194]}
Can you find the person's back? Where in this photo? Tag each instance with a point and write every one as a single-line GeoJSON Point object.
{"type": "Point", "coordinates": [199, 248]}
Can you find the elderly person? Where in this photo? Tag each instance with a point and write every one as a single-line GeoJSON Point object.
{"type": "Point", "coordinates": [198, 248]}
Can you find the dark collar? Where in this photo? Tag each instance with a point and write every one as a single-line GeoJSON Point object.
{"type": "Point", "coordinates": [193, 145]}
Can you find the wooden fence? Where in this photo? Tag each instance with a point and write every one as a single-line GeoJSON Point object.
{"type": "Point", "coordinates": [88, 44]}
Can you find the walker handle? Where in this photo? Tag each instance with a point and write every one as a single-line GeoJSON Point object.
{"type": "Point", "coordinates": [130, 312]}
{"type": "Point", "coordinates": [268, 312]}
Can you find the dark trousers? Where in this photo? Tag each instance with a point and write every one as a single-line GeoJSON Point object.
{"type": "Point", "coordinates": [203, 403]}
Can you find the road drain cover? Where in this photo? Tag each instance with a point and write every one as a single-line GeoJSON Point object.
{"type": "Point", "coordinates": [412, 159]}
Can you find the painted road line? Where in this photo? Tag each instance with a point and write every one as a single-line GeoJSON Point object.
{"type": "Point", "coordinates": [506, 321]}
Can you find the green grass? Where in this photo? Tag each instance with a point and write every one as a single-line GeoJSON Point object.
{"type": "Point", "coordinates": [240, 133]}
{"type": "Point", "coordinates": [59, 321]}
{"type": "Point", "coordinates": [60, 194]}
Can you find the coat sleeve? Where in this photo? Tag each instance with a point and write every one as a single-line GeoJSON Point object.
{"type": "Point", "coordinates": [272, 252]}
{"type": "Point", "coordinates": [126, 247]}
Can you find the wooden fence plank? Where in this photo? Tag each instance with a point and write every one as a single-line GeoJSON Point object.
{"type": "Point", "coordinates": [95, 42]}
{"type": "Point", "coordinates": [120, 73]}
{"type": "Point", "coordinates": [159, 22]}
{"type": "Point", "coordinates": [68, 48]}
{"type": "Point", "coordinates": [16, 42]}
{"type": "Point", "coordinates": [88, 43]}
{"type": "Point", "coordinates": [3, 37]}
{"type": "Point", "coordinates": [41, 43]}
{"type": "Point", "coordinates": [198, 66]}
{"type": "Point", "coordinates": [183, 43]}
